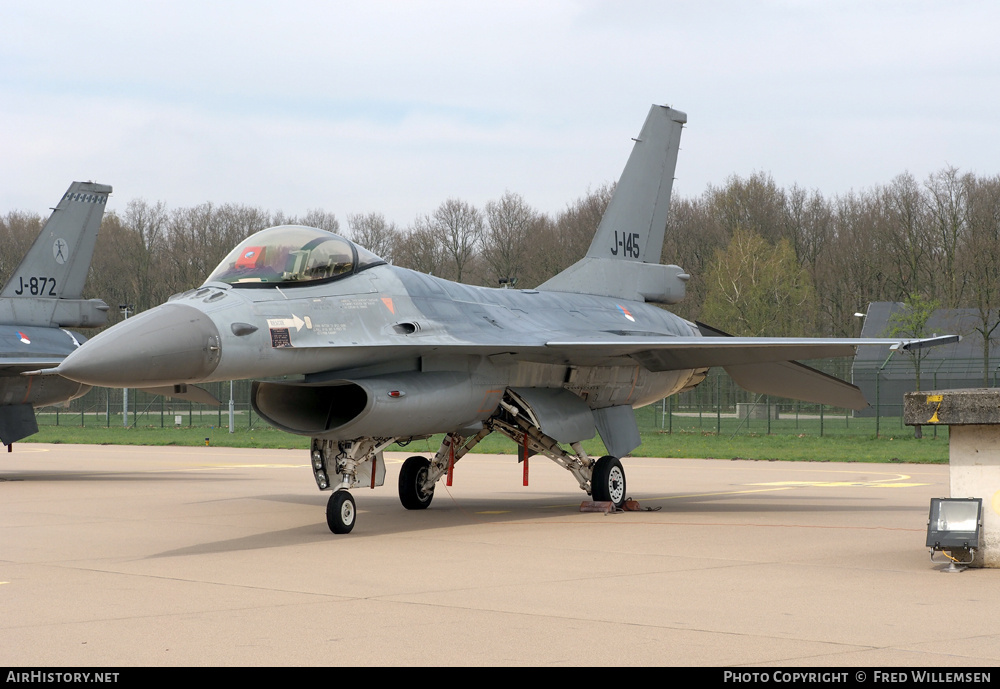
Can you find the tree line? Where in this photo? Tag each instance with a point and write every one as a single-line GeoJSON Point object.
{"type": "Point", "coordinates": [763, 260]}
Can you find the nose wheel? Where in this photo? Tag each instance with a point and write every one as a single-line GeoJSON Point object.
{"type": "Point", "coordinates": [341, 513]}
{"type": "Point", "coordinates": [607, 482]}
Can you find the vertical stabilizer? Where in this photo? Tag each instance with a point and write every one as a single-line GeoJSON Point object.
{"type": "Point", "coordinates": [634, 223]}
{"type": "Point", "coordinates": [57, 263]}
{"type": "Point", "coordinates": [624, 258]}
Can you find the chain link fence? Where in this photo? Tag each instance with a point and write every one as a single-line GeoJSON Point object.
{"type": "Point", "coordinates": [134, 408]}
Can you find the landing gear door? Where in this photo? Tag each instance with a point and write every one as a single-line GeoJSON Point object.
{"type": "Point", "coordinates": [559, 413]}
{"type": "Point", "coordinates": [366, 469]}
{"type": "Point", "coordinates": [618, 429]}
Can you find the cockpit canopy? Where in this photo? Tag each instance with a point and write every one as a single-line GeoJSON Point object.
{"type": "Point", "coordinates": [291, 255]}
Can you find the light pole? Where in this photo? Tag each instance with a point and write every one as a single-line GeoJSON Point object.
{"type": "Point", "coordinates": [125, 309]}
{"type": "Point", "coordinates": [858, 314]}
{"type": "Point", "coordinates": [878, 374]}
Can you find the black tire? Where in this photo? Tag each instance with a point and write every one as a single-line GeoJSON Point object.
{"type": "Point", "coordinates": [341, 512]}
{"type": "Point", "coordinates": [411, 475]}
{"type": "Point", "coordinates": [607, 481]}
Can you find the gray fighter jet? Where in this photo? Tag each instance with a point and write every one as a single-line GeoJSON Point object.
{"type": "Point", "coordinates": [383, 354]}
{"type": "Point", "coordinates": [41, 298]}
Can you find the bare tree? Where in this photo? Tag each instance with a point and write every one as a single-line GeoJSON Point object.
{"type": "Point", "coordinates": [510, 223]}
{"type": "Point", "coordinates": [18, 230]}
{"type": "Point", "coordinates": [147, 224]}
{"type": "Point", "coordinates": [374, 233]}
{"type": "Point", "coordinates": [458, 226]}
{"type": "Point", "coordinates": [692, 239]}
{"type": "Point", "coordinates": [231, 223]}
{"type": "Point", "coordinates": [982, 259]}
{"type": "Point", "coordinates": [947, 197]}
{"type": "Point", "coordinates": [559, 243]}
{"type": "Point", "coordinates": [756, 204]}
{"type": "Point", "coordinates": [420, 250]}
{"type": "Point", "coordinates": [905, 235]}
{"type": "Point", "coordinates": [318, 218]}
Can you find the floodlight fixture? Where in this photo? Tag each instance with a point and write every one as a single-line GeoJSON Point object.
{"type": "Point", "coordinates": [955, 524]}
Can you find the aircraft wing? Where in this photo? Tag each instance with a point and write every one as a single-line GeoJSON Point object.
{"type": "Point", "coordinates": [12, 366]}
{"type": "Point", "coordinates": [717, 348]}
{"type": "Point", "coordinates": [676, 353]}
{"type": "Point", "coordinates": [655, 352]}
{"type": "Point", "coordinates": [766, 365]}
{"type": "Point", "coordinates": [662, 353]}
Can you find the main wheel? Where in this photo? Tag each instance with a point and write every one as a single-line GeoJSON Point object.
{"type": "Point", "coordinates": [607, 481]}
{"type": "Point", "coordinates": [341, 512]}
{"type": "Point", "coordinates": [411, 477]}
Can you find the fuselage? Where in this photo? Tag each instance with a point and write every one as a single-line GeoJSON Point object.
{"type": "Point", "coordinates": [379, 321]}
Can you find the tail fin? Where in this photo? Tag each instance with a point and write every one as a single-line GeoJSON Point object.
{"type": "Point", "coordinates": [636, 218]}
{"type": "Point", "coordinates": [57, 263]}
{"type": "Point", "coordinates": [624, 258]}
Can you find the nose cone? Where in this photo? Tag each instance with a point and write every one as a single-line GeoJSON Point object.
{"type": "Point", "coordinates": [167, 345]}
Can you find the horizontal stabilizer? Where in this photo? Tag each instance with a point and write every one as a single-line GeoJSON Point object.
{"type": "Point", "coordinates": [798, 382]}
{"type": "Point", "coordinates": [792, 380]}
{"type": "Point", "coordinates": [649, 282]}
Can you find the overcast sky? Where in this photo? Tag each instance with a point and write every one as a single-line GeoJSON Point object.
{"type": "Point", "coordinates": [355, 107]}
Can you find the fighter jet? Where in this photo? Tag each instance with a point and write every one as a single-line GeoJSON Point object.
{"type": "Point", "coordinates": [41, 298]}
{"type": "Point", "coordinates": [381, 354]}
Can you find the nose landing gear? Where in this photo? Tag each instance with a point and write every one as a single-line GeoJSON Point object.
{"type": "Point", "coordinates": [341, 512]}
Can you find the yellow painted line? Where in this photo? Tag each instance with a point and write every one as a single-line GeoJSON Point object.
{"type": "Point", "coordinates": [897, 482]}
{"type": "Point", "coordinates": [790, 485]}
{"type": "Point", "coordinates": [216, 467]}
{"type": "Point", "coordinates": [256, 466]}
{"type": "Point", "coordinates": [841, 484]}
{"type": "Point", "coordinates": [725, 492]}
{"type": "Point", "coordinates": [695, 495]}
{"type": "Point", "coordinates": [494, 512]}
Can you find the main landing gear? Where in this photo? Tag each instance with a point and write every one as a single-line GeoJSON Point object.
{"type": "Point", "coordinates": [607, 481]}
{"type": "Point", "coordinates": [350, 464]}
{"type": "Point", "coordinates": [412, 479]}
{"type": "Point", "coordinates": [603, 479]}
